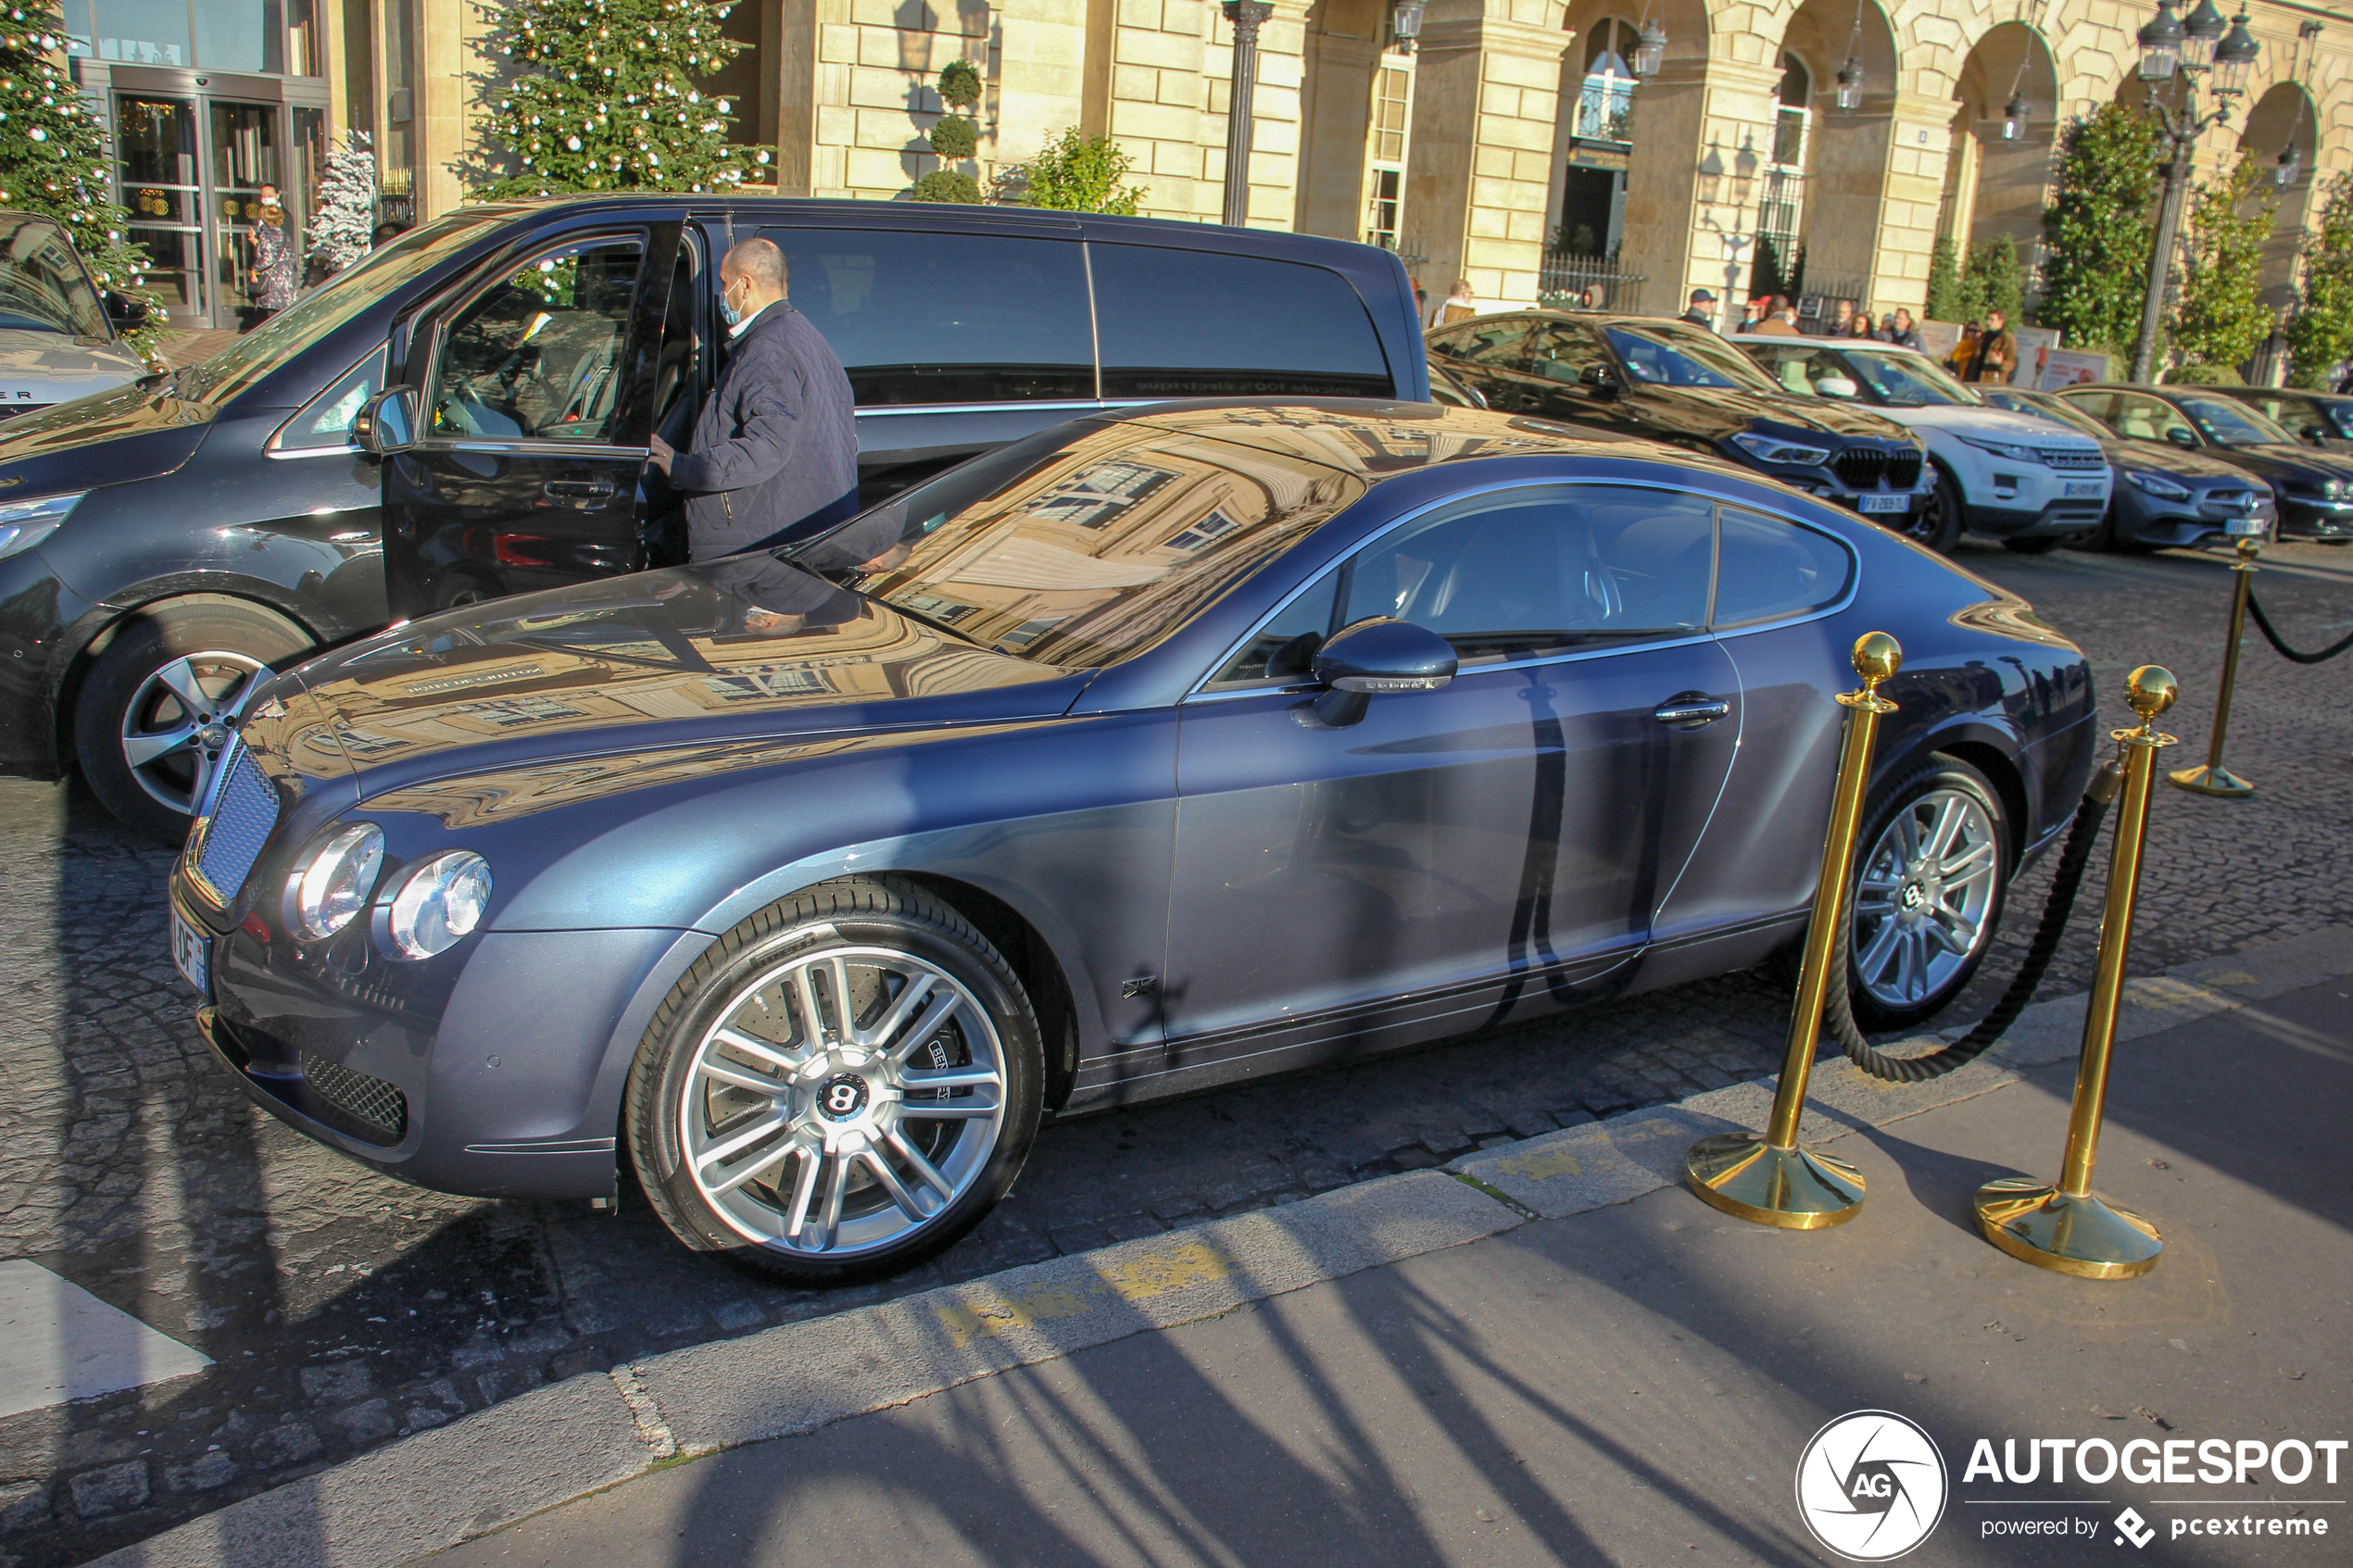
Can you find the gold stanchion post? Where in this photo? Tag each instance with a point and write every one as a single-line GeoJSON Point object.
{"type": "Point", "coordinates": [2067, 1227]}
{"type": "Point", "coordinates": [2213, 778]}
{"type": "Point", "coordinates": [1769, 1178]}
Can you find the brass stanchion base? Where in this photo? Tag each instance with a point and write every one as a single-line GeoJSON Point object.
{"type": "Point", "coordinates": [2085, 1237]}
{"type": "Point", "coordinates": [2211, 781]}
{"type": "Point", "coordinates": [1793, 1188]}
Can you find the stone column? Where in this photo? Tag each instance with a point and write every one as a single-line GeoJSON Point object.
{"type": "Point", "coordinates": [1916, 129]}
{"type": "Point", "coordinates": [1479, 169]}
{"type": "Point", "coordinates": [1334, 121]}
{"type": "Point", "coordinates": [1683, 230]}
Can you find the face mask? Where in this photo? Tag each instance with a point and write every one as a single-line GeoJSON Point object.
{"type": "Point", "coordinates": [727, 312]}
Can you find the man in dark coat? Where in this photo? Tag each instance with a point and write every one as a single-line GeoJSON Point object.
{"type": "Point", "coordinates": [1996, 353]}
{"type": "Point", "coordinates": [774, 454]}
{"type": "Point", "coordinates": [1701, 311]}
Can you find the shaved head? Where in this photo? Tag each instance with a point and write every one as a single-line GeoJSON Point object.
{"type": "Point", "coordinates": [758, 263]}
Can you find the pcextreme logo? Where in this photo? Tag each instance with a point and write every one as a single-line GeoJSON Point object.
{"type": "Point", "coordinates": [1871, 1486]}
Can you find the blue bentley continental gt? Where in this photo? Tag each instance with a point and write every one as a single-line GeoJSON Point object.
{"type": "Point", "coordinates": [1155, 750]}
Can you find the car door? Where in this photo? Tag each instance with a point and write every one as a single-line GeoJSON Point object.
{"type": "Point", "coordinates": [538, 396]}
{"type": "Point", "coordinates": [1460, 853]}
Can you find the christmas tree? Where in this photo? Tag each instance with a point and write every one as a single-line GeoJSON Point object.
{"type": "Point", "coordinates": [55, 156]}
{"type": "Point", "coordinates": [604, 98]}
{"type": "Point", "coordinates": [343, 230]}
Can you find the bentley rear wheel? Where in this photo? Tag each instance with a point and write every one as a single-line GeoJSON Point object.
{"type": "Point", "coordinates": [840, 1089]}
{"type": "Point", "coordinates": [1926, 892]}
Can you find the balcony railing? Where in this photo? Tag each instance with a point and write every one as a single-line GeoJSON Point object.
{"type": "Point", "coordinates": [1605, 110]}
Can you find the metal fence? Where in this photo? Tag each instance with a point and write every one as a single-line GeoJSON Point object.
{"type": "Point", "coordinates": [1562, 281]}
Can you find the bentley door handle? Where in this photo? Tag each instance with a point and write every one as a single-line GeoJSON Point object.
{"type": "Point", "coordinates": [584, 494]}
{"type": "Point", "coordinates": [1689, 710]}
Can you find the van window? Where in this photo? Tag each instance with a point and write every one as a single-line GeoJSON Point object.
{"type": "Point", "coordinates": [921, 317]}
{"type": "Point", "coordinates": [1197, 323]}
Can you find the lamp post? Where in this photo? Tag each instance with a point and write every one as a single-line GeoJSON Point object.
{"type": "Point", "coordinates": [1246, 16]}
{"type": "Point", "coordinates": [2172, 48]}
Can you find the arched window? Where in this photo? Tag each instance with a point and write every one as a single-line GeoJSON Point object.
{"type": "Point", "coordinates": [1792, 112]}
{"type": "Point", "coordinates": [1606, 106]}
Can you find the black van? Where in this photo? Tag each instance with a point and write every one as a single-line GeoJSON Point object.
{"type": "Point", "coordinates": [163, 542]}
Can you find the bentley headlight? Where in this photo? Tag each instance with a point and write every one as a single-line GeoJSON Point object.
{"type": "Point", "coordinates": [437, 903]}
{"type": "Point", "coordinates": [330, 883]}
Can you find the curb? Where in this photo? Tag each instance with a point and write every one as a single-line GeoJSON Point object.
{"type": "Point", "coordinates": [433, 1490]}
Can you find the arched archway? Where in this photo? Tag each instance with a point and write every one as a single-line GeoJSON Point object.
{"type": "Point", "coordinates": [1593, 139]}
{"type": "Point", "coordinates": [1997, 179]}
{"type": "Point", "coordinates": [1825, 182]}
{"type": "Point", "coordinates": [2283, 119]}
{"type": "Point", "coordinates": [1624, 150]}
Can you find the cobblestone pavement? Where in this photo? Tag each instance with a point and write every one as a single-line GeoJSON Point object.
{"type": "Point", "coordinates": [343, 1309]}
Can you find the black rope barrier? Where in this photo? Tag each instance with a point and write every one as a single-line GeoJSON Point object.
{"type": "Point", "coordinates": [2263, 625]}
{"type": "Point", "coordinates": [1838, 1010]}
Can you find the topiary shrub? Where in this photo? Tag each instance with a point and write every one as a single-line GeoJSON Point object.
{"type": "Point", "coordinates": [960, 84]}
{"type": "Point", "coordinates": [948, 185]}
{"type": "Point", "coordinates": [955, 137]}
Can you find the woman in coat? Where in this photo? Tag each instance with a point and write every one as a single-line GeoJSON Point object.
{"type": "Point", "coordinates": [274, 263]}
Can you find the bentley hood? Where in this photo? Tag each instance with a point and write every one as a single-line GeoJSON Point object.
{"type": "Point", "coordinates": [743, 649]}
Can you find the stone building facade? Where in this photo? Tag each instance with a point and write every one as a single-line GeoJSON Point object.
{"type": "Point", "coordinates": [1512, 125]}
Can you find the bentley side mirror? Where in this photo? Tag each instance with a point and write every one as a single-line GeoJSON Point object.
{"type": "Point", "coordinates": [124, 314]}
{"type": "Point", "coordinates": [1599, 380]}
{"type": "Point", "coordinates": [1377, 655]}
{"type": "Point", "coordinates": [386, 423]}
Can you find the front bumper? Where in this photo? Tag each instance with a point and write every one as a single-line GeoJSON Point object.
{"type": "Point", "coordinates": [496, 1077]}
{"type": "Point", "coordinates": [2302, 516]}
{"type": "Point", "coordinates": [2063, 518]}
{"type": "Point", "coordinates": [2155, 521]}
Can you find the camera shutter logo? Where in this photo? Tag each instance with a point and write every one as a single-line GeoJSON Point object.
{"type": "Point", "coordinates": [1871, 1486]}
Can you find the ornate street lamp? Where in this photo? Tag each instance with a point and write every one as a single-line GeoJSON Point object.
{"type": "Point", "coordinates": [1405, 23]}
{"type": "Point", "coordinates": [1650, 49]}
{"type": "Point", "coordinates": [2014, 117]}
{"type": "Point", "coordinates": [2161, 42]}
{"type": "Point", "coordinates": [2290, 168]}
{"type": "Point", "coordinates": [1850, 84]}
{"type": "Point", "coordinates": [1246, 16]}
{"type": "Point", "coordinates": [2234, 58]}
{"type": "Point", "coordinates": [2200, 30]}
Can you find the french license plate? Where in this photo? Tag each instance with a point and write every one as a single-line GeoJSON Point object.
{"type": "Point", "coordinates": [2085, 490]}
{"type": "Point", "coordinates": [2245, 527]}
{"type": "Point", "coordinates": [1885, 503]}
{"type": "Point", "coordinates": [191, 955]}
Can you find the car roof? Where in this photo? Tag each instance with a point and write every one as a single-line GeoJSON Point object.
{"type": "Point", "coordinates": [1376, 439]}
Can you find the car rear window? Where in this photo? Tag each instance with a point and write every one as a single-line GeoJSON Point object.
{"type": "Point", "coordinates": [1770, 570]}
{"type": "Point", "coordinates": [924, 317]}
{"type": "Point", "coordinates": [1079, 552]}
{"type": "Point", "coordinates": [1197, 323]}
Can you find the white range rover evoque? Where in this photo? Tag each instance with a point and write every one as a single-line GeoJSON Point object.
{"type": "Point", "coordinates": [2029, 484]}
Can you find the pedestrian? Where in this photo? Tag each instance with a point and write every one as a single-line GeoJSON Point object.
{"type": "Point", "coordinates": [1903, 332]}
{"type": "Point", "coordinates": [1459, 305]}
{"type": "Point", "coordinates": [1861, 326]}
{"type": "Point", "coordinates": [274, 260]}
{"type": "Point", "coordinates": [1752, 313]}
{"type": "Point", "coordinates": [1996, 353]}
{"type": "Point", "coordinates": [1842, 321]}
{"type": "Point", "coordinates": [1780, 318]}
{"type": "Point", "coordinates": [1421, 300]}
{"type": "Point", "coordinates": [1702, 311]}
{"type": "Point", "coordinates": [774, 457]}
{"type": "Point", "coordinates": [1958, 362]}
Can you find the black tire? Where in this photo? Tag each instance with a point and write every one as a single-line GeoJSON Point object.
{"type": "Point", "coordinates": [129, 701]}
{"type": "Point", "coordinates": [1938, 526]}
{"type": "Point", "coordinates": [2043, 545]}
{"type": "Point", "coordinates": [862, 914]}
{"type": "Point", "coordinates": [1921, 792]}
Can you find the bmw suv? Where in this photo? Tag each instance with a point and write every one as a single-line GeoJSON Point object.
{"type": "Point", "coordinates": [1676, 382]}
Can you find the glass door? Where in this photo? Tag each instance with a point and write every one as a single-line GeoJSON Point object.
{"type": "Point", "coordinates": [156, 142]}
{"type": "Point", "coordinates": [246, 147]}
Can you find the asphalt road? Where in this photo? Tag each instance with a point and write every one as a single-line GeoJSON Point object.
{"type": "Point", "coordinates": [343, 1309]}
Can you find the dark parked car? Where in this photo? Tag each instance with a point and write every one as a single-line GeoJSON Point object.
{"type": "Point", "coordinates": [2165, 495]}
{"type": "Point", "coordinates": [1146, 753]}
{"type": "Point", "coordinates": [2317, 419]}
{"type": "Point", "coordinates": [161, 544]}
{"type": "Point", "coordinates": [1673, 381]}
{"type": "Point", "coordinates": [60, 334]}
{"type": "Point", "coordinates": [2313, 490]}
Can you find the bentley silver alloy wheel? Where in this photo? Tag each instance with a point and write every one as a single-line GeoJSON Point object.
{"type": "Point", "coordinates": [174, 726]}
{"type": "Point", "coordinates": [1922, 904]}
{"type": "Point", "coordinates": [843, 1101]}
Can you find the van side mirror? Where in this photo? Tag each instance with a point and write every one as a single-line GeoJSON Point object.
{"type": "Point", "coordinates": [124, 314]}
{"type": "Point", "coordinates": [386, 423]}
{"type": "Point", "coordinates": [1373, 656]}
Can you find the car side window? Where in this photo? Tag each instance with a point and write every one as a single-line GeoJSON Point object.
{"type": "Point", "coordinates": [324, 422]}
{"type": "Point", "coordinates": [538, 355]}
{"type": "Point", "coordinates": [2100, 405]}
{"type": "Point", "coordinates": [1283, 649]}
{"type": "Point", "coordinates": [1564, 351]}
{"type": "Point", "coordinates": [917, 318]}
{"type": "Point", "coordinates": [678, 371]}
{"type": "Point", "coordinates": [2150, 418]}
{"type": "Point", "coordinates": [1200, 323]}
{"type": "Point", "coordinates": [1494, 344]}
{"type": "Point", "coordinates": [1770, 570]}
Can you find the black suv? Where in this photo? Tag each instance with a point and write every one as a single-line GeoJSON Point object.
{"type": "Point", "coordinates": [1674, 381]}
{"type": "Point", "coordinates": [161, 543]}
